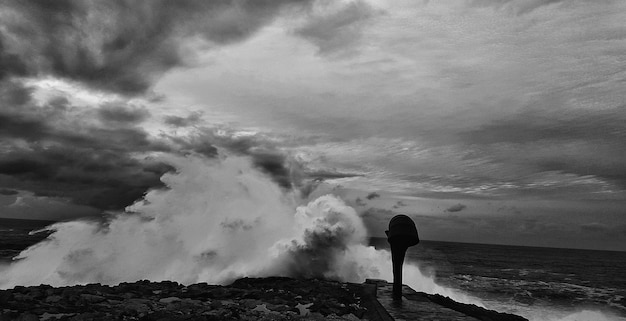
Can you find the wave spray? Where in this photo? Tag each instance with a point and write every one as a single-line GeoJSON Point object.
{"type": "Point", "coordinates": [218, 220]}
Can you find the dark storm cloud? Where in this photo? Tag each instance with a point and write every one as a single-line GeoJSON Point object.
{"type": "Point", "coordinates": [98, 178]}
{"type": "Point", "coordinates": [48, 152]}
{"type": "Point", "coordinates": [21, 126]}
{"type": "Point", "coordinates": [275, 165]}
{"type": "Point", "coordinates": [606, 162]}
{"type": "Point", "coordinates": [21, 118]}
{"type": "Point", "coordinates": [340, 30]}
{"type": "Point", "coordinates": [177, 121]}
{"type": "Point", "coordinates": [200, 144]}
{"type": "Point", "coordinates": [8, 192]}
{"type": "Point", "coordinates": [13, 93]}
{"type": "Point", "coordinates": [120, 46]}
{"type": "Point", "coordinates": [372, 195]}
{"type": "Point", "coordinates": [456, 208]}
{"type": "Point", "coordinates": [121, 114]}
{"type": "Point", "coordinates": [56, 149]}
{"type": "Point", "coordinates": [35, 130]}
{"type": "Point", "coordinates": [10, 64]}
{"type": "Point", "coordinates": [581, 143]}
{"type": "Point", "coordinates": [532, 126]}
{"type": "Point", "coordinates": [264, 155]}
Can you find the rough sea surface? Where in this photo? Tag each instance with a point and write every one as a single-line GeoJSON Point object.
{"type": "Point", "coordinates": [538, 283]}
{"type": "Point", "coordinates": [16, 235]}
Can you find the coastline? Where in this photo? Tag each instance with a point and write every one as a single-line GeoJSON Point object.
{"type": "Point", "coordinates": [271, 298]}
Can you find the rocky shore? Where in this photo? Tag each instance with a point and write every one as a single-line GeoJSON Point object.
{"type": "Point", "coordinates": [271, 298]}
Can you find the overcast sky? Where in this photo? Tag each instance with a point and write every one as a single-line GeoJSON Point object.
{"type": "Point", "coordinates": [487, 120]}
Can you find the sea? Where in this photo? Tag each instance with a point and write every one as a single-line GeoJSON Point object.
{"type": "Point", "coordinates": [16, 235]}
{"type": "Point", "coordinates": [537, 283]}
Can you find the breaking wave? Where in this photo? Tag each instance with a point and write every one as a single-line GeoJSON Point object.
{"type": "Point", "coordinates": [219, 220]}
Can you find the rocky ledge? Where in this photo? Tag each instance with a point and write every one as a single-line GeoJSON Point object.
{"type": "Point", "coordinates": [271, 298]}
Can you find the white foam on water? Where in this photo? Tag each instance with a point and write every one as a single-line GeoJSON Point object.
{"type": "Point", "coordinates": [582, 315]}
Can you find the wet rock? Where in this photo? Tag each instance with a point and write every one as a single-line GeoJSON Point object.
{"type": "Point", "coordinates": [27, 317]}
{"type": "Point", "coordinates": [92, 298]}
{"type": "Point", "coordinates": [53, 299]}
{"type": "Point", "coordinates": [169, 300]}
{"type": "Point", "coordinates": [271, 298]}
{"type": "Point", "coordinates": [474, 310]}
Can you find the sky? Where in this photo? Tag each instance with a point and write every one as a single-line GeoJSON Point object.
{"type": "Point", "coordinates": [490, 121]}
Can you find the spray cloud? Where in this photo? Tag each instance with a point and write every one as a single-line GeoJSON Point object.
{"type": "Point", "coordinates": [219, 219]}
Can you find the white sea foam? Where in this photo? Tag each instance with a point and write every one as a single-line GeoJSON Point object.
{"type": "Point", "coordinates": [582, 315]}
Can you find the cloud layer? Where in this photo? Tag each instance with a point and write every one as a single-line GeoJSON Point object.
{"type": "Point", "coordinates": [51, 150]}
{"type": "Point", "coordinates": [121, 46]}
{"type": "Point", "coordinates": [460, 102]}
{"type": "Point", "coordinates": [97, 153]}
{"type": "Point", "coordinates": [479, 98]}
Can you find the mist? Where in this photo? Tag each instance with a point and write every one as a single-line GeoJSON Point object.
{"type": "Point", "coordinates": [217, 220]}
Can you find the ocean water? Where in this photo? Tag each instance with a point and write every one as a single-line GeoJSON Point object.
{"type": "Point", "coordinates": [538, 283]}
{"type": "Point", "coordinates": [16, 235]}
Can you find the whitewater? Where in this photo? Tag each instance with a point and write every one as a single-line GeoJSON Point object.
{"type": "Point", "coordinates": [218, 220]}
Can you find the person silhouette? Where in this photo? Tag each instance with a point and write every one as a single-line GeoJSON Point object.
{"type": "Point", "coordinates": [401, 235]}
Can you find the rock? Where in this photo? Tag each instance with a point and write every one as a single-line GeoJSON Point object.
{"type": "Point", "coordinates": [53, 316]}
{"type": "Point", "coordinates": [22, 297]}
{"type": "Point", "coordinates": [190, 302]}
{"type": "Point", "coordinates": [5, 296]}
{"type": "Point", "coordinates": [280, 307]}
{"type": "Point", "coordinates": [90, 316]}
{"type": "Point", "coordinates": [8, 315]}
{"type": "Point", "coordinates": [263, 308]}
{"type": "Point", "coordinates": [273, 298]}
{"type": "Point", "coordinates": [249, 303]}
{"type": "Point", "coordinates": [304, 308]}
{"type": "Point", "coordinates": [132, 307]}
{"type": "Point", "coordinates": [53, 299]}
{"type": "Point", "coordinates": [27, 317]}
{"type": "Point", "coordinates": [169, 300]}
{"type": "Point", "coordinates": [91, 298]}
{"type": "Point", "coordinates": [351, 317]}
{"type": "Point", "coordinates": [474, 310]}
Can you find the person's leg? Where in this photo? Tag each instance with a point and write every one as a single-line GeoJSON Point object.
{"type": "Point", "coordinates": [397, 258]}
